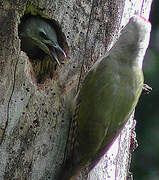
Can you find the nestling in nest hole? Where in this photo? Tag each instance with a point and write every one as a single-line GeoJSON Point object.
{"type": "Point", "coordinates": [42, 40]}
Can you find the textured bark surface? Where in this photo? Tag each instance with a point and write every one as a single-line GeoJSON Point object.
{"type": "Point", "coordinates": [34, 118]}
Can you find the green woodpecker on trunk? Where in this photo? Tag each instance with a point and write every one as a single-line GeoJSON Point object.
{"type": "Point", "coordinates": [39, 37]}
{"type": "Point", "coordinates": [108, 96]}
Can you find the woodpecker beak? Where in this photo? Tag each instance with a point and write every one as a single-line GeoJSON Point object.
{"type": "Point", "coordinates": [53, 52]}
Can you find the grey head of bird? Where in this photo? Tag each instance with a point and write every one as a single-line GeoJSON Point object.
{"type": "Point", "coordinates": [38, 33]}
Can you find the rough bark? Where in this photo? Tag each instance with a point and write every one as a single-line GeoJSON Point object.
{"type": "Point", "coordinates": [35, 117]}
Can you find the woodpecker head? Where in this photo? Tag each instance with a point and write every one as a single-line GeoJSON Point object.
{"type": "Point", "coordinates": [133, 41]}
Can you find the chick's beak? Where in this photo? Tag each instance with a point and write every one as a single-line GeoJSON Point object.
{"type": "Point", "coordinates": [61, 50]}
{"type": "Point", "coordinates": [54, 55]}
{"type": "Point", "coordinates": [53, 52]}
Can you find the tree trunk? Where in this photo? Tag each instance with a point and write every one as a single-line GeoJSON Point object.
{"type": "Point", "coordinates": [35, 116]}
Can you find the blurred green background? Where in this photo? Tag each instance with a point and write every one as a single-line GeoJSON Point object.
{"type": "Point", "coordinates": [145, 159]}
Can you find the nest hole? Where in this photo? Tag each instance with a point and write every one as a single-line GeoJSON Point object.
{"type": "Point", "coordinates": [43, 66]}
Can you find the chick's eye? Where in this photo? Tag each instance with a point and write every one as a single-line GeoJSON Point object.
{"type": "Point", "coordinates": [54, 44]}
{"type": "Point", "coordinates": [43, 35]}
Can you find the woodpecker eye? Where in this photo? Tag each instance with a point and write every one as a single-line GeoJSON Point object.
{"type": "Point", "coordinates": [43, 35]}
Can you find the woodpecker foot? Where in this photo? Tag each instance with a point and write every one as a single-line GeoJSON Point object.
{"type": "Point", "coordinates": [146, 89]}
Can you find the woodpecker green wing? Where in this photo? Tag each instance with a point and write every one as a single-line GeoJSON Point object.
{"type": "Point", "coordinates": [92, 111]}
{"type": "Point", "coordinates": [108, 109]}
